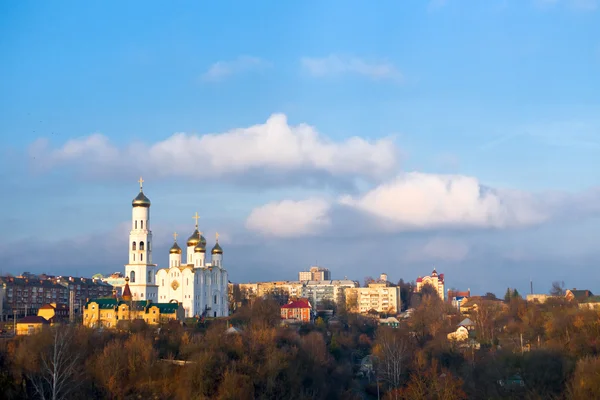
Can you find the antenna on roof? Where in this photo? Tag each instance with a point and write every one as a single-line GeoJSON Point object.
{"type": "Point", "coordinates": [531, 285]}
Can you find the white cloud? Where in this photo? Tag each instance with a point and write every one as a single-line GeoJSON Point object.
{"type": "Point", "coordinates": [418, 201]}
{"type": "Point", "coordinates": [222, 69]}
{"type": "Point", "coordinates": [334, 65]}
{"type": "Point", "coordinates": [424, 201]}
{"type": "Point", "coordinates": [275, 148]}
{"type": "Point", "coordinates": [290, 218]}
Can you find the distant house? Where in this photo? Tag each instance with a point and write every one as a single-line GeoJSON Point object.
{"type": "Point", "coordinates": [462, 332]}
{"type": "Point", "coordinates": [471, 304]}
{"type": "Point", "coordinates": [389, 321]}
{"type": "Point", "coordinates": [579, 295]}
{"type": "Point", "coordinates": [538, 298]}
{"type": "Point", "coordinates": [297, 311]}
{"type": "Point", "coordinates": [53, 312]}
{"type": "Point", "coordinates": [456, 297]}
{"type": "Point", "coordinates": [31, 325]}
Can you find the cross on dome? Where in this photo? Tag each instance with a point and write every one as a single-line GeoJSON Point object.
{"type": "Point", "coordinates": [141, 181]}
{"type": "Point", "coordinates": [217, 236]}
{"type": "Point", "coordinates": [175, 235]}
{"type": "Point", "coordinates": [196, 217]}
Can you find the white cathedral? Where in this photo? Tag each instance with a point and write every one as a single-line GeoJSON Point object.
{"type": "Point", "coordinates": [200, 285]}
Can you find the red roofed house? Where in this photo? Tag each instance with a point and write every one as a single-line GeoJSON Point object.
{"type": "Point", "coordinates": [297, 311]}
{"type": "Point", "coordinates": [435, 280]}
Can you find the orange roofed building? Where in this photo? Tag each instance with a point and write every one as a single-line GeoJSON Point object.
{"type": "Point", "coordinates": [297, 311]}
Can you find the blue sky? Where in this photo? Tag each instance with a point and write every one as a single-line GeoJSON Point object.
{"type": "Point", "coordinates": [367, 137]}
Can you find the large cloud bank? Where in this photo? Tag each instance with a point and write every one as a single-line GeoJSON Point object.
{"type": "Point", "coordinates": [275, 148]}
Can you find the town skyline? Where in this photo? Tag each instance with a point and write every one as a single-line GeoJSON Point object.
{"type": "Point", "coordinates": [368, 139]}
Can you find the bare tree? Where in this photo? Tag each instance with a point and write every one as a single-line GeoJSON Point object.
{"type": "Point", "coordinates": [59, 366]}
{"type": "Point", "coordinates": [392, 352]}
{"type": "Point", "coordinates": [557, 289]}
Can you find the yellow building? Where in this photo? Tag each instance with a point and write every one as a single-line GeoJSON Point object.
{"type": "Point", "coordinates": [52, 311]}
{"type": "Point", "coordinates": [31, 324]}
{"type": "Point", "coordinates": [108, 312]}
{"type": "Point", "coordinates": [380, 297]}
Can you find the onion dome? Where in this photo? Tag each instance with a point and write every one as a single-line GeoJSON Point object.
{"type": "Point", "coordinates": [141, 200]}
{"type": "Point", "coordinates": [196, 238]}
{"type": "Point", "coordinates": [217, 249]}
{"type": "Point", "coordinates": [200, 248]}
{"type": "Point", "coordinates": [175, 249]}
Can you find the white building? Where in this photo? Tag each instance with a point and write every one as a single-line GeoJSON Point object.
{"type": "Point", "coordinates": [140, 270]}
{"type": "Point", "coordinates": [434, 280]}
{"type": "Point", "coordinates": [199, 284]}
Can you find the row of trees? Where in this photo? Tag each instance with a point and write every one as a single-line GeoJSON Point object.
{"type": "Point", "coordinates": [532, 351]}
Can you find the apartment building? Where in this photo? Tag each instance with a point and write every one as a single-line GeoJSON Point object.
{"type": "Point", "coordinates": [315, 274]}
{"type": "Point", "coordinates": [378, 296]}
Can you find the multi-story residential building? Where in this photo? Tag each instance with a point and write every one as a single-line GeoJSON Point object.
{"type": "Point", "coordinates": [380, 296]}
{"type": "Point", "coordinates": [84, 289]}
{"type": "Point", "coordinates": [434, 280]}
{"type": "Point", "coordinates": [316, 291]}
{"type": "Point", "coordinates": [315, 274]}
{"type": "Point", "coordinates": [25, 294]}
{"type": "Point", "coordinates": [320, 292]}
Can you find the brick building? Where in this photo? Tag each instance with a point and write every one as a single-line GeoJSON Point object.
{"type": "Point", "coordinates": [297, 311]}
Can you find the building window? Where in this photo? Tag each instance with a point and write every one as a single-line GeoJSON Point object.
{"type": "Point", "coordinates": [133, 247]}
{"type": "Point", "coordinates": [135, 224]}
{"type": "Point", "coordinates": [187, 281]}
{"type": "Point", "coordinates": [150, 276]}
{"type": "Point", "coordinates": [141, 257]}
{"type": "Point", "coordinates": [142, 295]}
{"type": "Point", "coordinates": [163, 282]}
{"type": "Point", "coordinates": [142, 224]}
{"type": "Point", "coordinates": [141, 245]}
{"type": "Point", "coordinates": [132, 276]}
{"type": "Point", "coordinates": [215, 299]}
{"type": "Point", "coordinates": [134, 257]}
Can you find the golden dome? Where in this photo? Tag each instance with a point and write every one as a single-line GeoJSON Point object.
{"type": "Point", "coordinates": [196, 238]}
{"type": "Point", "coordinates": [141, 200]}
{"type": "Point", "coordinates": [200, 248]}
{"type": "Point", "coordinates": [175, 249]}
{"type": "Point", "coordinates": [217, 249]}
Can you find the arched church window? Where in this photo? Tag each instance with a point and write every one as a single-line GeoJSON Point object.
{"type": "Point", "coordinates": [187, 281]}
{"type": "Point", "coordinates": [132, 276]}
{"type": "Point", "coordinates": [149, 276]}
{"type": "Point", "coordinates": [133, 246]}
{"type": "Point", "coordinates": [142, 224]}
{"type": "Point", "coordinates": [134, 257]}
{"type": "Point", "coordinates": [141, 257]}
{"type": "Point", "coordinates": [141, 245]}
{"type": "Point", "coordinates": [215, 299]}
{"type": "Point", "coordinates": [136, 224]}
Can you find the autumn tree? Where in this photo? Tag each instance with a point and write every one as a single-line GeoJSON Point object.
{"type": "Point", "coordinates": [59, 367]}
{"type": "Point", "coordinates": [486, 317]}
{"type": "Point", "coordinates": [585, 383]}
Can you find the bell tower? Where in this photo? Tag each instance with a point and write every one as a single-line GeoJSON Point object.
{"type": "Point", "coordinates": [140, 270]}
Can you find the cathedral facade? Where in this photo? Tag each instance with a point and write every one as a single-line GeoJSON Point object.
{"type": "Point", "coordinates": [195, 281]}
